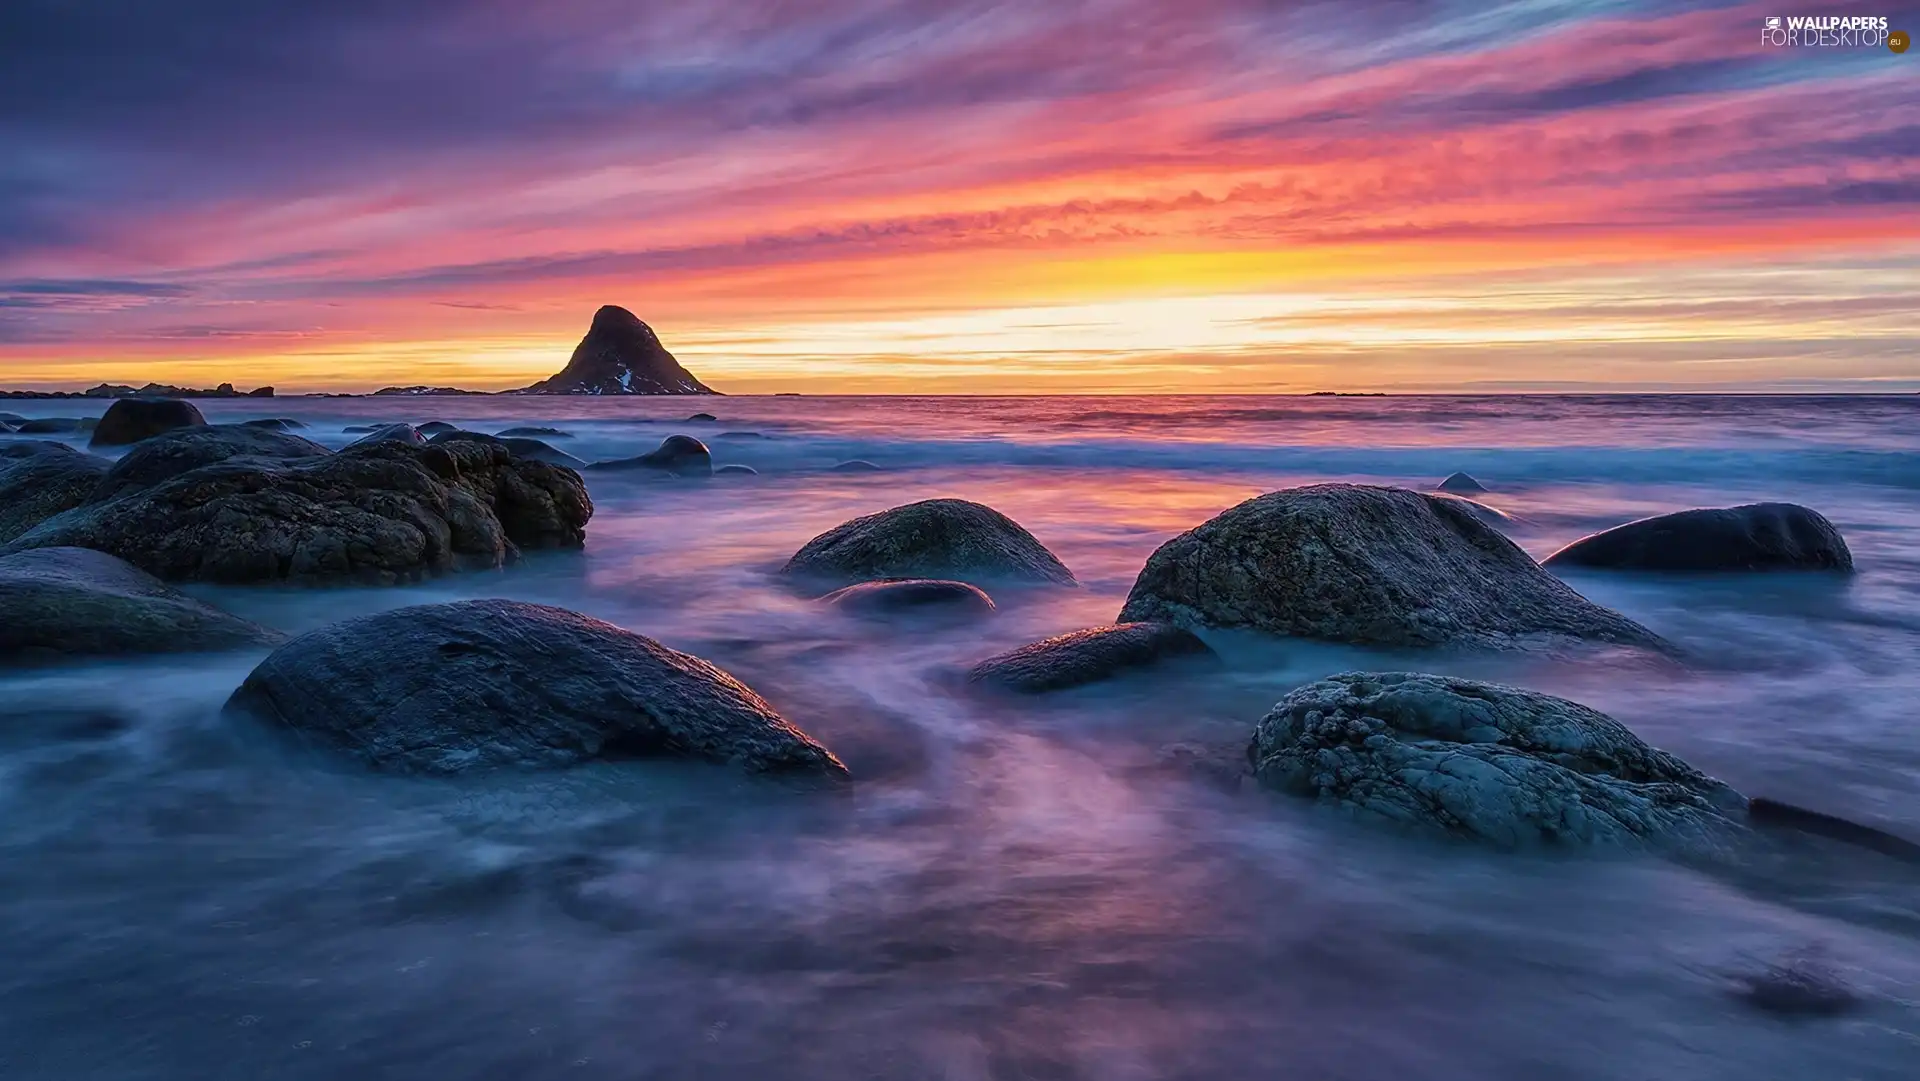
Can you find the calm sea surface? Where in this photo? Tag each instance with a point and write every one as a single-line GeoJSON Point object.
{"type": "Point", "coordinates": [1029, 890]}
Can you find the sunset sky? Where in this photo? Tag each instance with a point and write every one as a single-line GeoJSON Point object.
{"type": "Point", "coordinates": [920, 196]}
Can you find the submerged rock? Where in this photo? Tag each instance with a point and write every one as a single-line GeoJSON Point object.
{"type": "Point", "coordinates": [1803, 984]}
{"type": "Point", "coordinates": [54, 425]}
{"type": "Point", "coordinates": [186, 449]}
{"type": "Point", "coordinates": [522, 448]}
{"type": "Point", "coordinates": [378, 513]}
{"type": "Point", "coordinates": [678, 455]}
{"type": "Point", "coordinates": [1070, 660]}
{"type": "Point", "coordinates": [1497, 764]}
{"type": "Point", "coordinates": [702, 418]}
{"type": "Point", "coordinates": [14, 419]}
{"type": "Point", "coordinates": [741, 470]}
{"type": "Point", "coordinates": [41, 478]}
{"type": "Point", "coordinates": [1370, 566]}
{"type": "Point", "coordinates": [1755, 537]}
{"type": "Point", "coordinates": [934, 538]}
{"type": "Point", "coordinates": [275, 424]}
{"type": "Point", "coordinates": [129, 420]}
{"type": "Point", "coordinates": [1461, 482]}
{"type": "Point", "coordinates": [743, 435]}
{"type": "Point", "coordinates": [391, 433]}
{"type": "Point", "coordinates": [910, 594]}
{"type": "Point", "coordinates": [535, 433]}
{"type": "Point", "coordinates": [74, 602]}
{"type": "Point", "coordinates": [856, 466]}
{"type": "Point", "coordinates": [443, 688]}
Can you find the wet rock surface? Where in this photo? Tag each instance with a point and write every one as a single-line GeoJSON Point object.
{"type": "Point", "coordinates": [910, 595]}
{"type": "Point", "coordinates": [42, 478]}
{"type": "Point", "coordinates": [1495, 764]}
{"type": "Point", "coordinates": [1088, 656]}
{"type": "Point", "coordinates": [447, 688]}
{"type": "Point", "coordinates": [1370, 566]}
{"type": "Point", "coordinates": [59, 603]}
{"type": "Point", "coordinates": [934, 538]}
{"type": "Point", "coordinates": [129, 420]}
{"type": "Point", "coordinates": [1754, 537]}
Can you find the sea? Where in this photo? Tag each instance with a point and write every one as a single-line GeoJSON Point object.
{"type": "Point", "coordinates": [1064, 886]}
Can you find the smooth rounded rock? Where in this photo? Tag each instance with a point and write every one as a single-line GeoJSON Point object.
{"type": "Point", "coordinates": [934, 538]}
{"type": "Point", "coordinates": [75, 602]}
{"type": "Point", "coordinates": [520, 447]}
{"type": "Point", "coordinates": [910, 595]}
{"type": "Point", "coordinates": [391, 433]}
{"type": "Point", "coordinates": [276, 424]}
{"type": "Point", "coordinates": [42, 478]}
{"type": "Point", "coordinates": [445, 688]}
{"type": "Point", "coordinates": [1369, 566]}
{"type": "Point", "coordinates": [856, 466]}
{"type": "Point", "coordinates": [129, 420]}
{"type": "Point", "coordinates": [677, 455]}
{"type": "Point", "coordinates": [702, 418]}
{"type": "Point", "coordinates": [735, 470]}
{"type": "Point", "coordinates": [1462, 483]}
{"type": "Point", "coordinates": [1088, 656]}
{"type": "Point", "coordinates": [435, 427]}
{"type": "Point", "coordinates": [1754, 537]}
{"type": "Point", "coordinates": [1500, 765]}
{"type": "Point", "coordinates": [53, 425]}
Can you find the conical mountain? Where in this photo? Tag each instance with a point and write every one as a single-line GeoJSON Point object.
{"type": "Point", "coordinates": [620, 355]}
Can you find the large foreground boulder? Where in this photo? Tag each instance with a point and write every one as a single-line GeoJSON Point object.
{"type": "Point", "coordinates": [1755, 537]}
{"type": "Point", "coordinates": [1496, 764]}
{"type": "Point", "coordinates": [39, 479]}
{"type": "Point", "coordinates": [1370, 566]}
{"type": "Point", "coordinates": [378, 513]}
{"type": "Point", "coordinates": [677, 455]}
{"type": "Point", "coordinates": [130, 420]}
{"type": "Point", "coordinates": [934, 538]}
{"type": "Point", "coordinates": [74, 602]}
{"type": "Point", "coordinates": [1070, 660]}
{"type": "Point", "coordinates": [443, 688]}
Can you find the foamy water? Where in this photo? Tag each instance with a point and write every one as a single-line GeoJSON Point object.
{"type": "Point", "coordinates": [1039, 889]}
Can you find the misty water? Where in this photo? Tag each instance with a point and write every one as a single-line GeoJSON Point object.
{"type": "Point", "coordinates": [1054, 887]}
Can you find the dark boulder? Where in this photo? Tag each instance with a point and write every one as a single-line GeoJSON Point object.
{"type": "Point", "coordinates": [1462, 483]}
{"type": "Point", "coordinates": [535, 433]}
{"type": "Point", "coordinates": [910, 595]}
{"type": "Point", "coordinates": [934, 538]}
{"type": "Point", "coordinates": [856, 466]}
{"type": "Point", "coordinates": [276, 424]}
{"type": "Point", "coordinates": [435, 427]}
{"type": "Point", "coordinates": [1501, 765]}
{"type": "Point", "coordinates": [444, 688]}
{"type": "Point", "coordinates": [379, 513]}
{"type": "Point", "coordinates": [678, 455]}
{"type": "Point", "coordinates": [185, 449]}
{"type": "Point", "coordinates": [53, 426]}
{"type": "Point", "coordinates": [1369, 566]}
{"type": "Point", "coordinates": [1081, 657]}
{"type": "Point", "coordinates": [1755, 537]}
{"type": "Point", "coordinates": [521, 448]}
{"type": "Point", "coordinates": [74, 602]}
{"type": "Point", "coordinates": [130, 420]}
{"type": "Point", "coordinates": [391, 433]}
{"type": "Point", "coordinates": [42, 478]}
{"type": "Point", "coordinates": [702, 418]}
{"type": "Point", "coordinates": [735, 470]}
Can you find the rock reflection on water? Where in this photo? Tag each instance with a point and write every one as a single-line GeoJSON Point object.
{"type": "Point", "coordinates": [1071, 886]}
